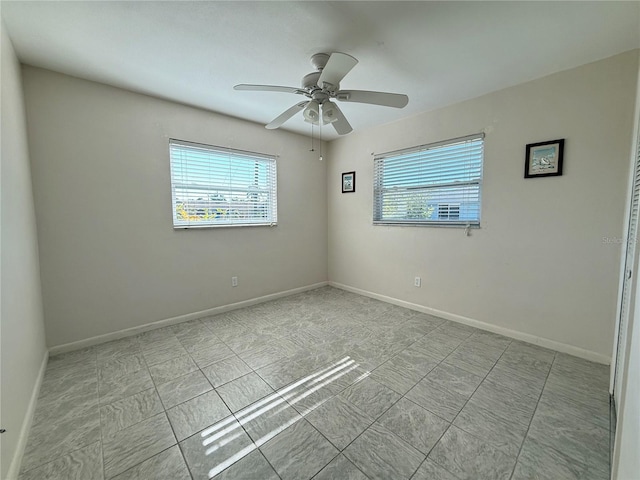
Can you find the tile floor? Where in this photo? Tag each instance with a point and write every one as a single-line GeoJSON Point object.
{"type": "Point", "coordinates": [324, 385]}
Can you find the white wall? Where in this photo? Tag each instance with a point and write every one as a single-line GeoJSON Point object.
{"type": "Point", "coordinates": [22, 343]}
{"type": "Point", "coordinates": [110, 258]}
{"type": "Point", "coordinates": [538, 264]}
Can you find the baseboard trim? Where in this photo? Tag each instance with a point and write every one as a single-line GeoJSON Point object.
{"type": "Point", "coordinates": [16, 462]}
{"type": "Point", "coordinates": [128, 332]}
{"type": "Point", "coordinates": [525, 337]}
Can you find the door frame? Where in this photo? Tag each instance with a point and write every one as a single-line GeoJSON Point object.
{"type": "Point", "coordinates": [633, 167]}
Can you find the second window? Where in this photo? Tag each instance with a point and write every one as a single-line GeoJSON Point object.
{"type": "Point", "coordinates": [435, 184]}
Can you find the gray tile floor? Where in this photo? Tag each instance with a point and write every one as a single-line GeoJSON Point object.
{"type": "Point", "coordinates": [324, 385]}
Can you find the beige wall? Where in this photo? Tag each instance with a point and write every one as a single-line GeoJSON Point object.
{"type": "Point", "coordinates": [538, 264]}
{"type": "Point", "coordinates": [22, 343]}
{"type": "Point", "coordinates": [110, 258]}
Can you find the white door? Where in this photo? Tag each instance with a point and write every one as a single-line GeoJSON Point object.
{"type": "Point", "coordinates": [629, 276]}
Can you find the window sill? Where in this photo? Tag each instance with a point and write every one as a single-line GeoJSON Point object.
{"type": "Point", "coordinates": [425, 224]}
{"type": "Point", "coordinates": [234, 225]}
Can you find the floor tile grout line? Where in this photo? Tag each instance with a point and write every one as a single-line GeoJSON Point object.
{"type": "Point", "coordinates": [214, 389]}
{"type": "Point", "coordinates": [347, 459]}
{"type": "Point", "coordinates": [168, 421]}
{"type": "Point", "coordinates": [532, 416]}
{"type": "Point", "coordinates": [302, 417]}
{"type": "Point", "coordinates": [556, 356]}
{"type": "Point", "coordinates": [580, 404]}
{"type": "Point", "coordinates": [200, 368]}
{"type": "Point", "coordinates": [404, 396]}
{"type": "Point", "coordinates": [99, 413]}
{"type": "Point", "coordinates": [155, 386]}
{"type": "Point", "coordinates": [165, 409]}
{"type": "Point", "coordinates": [21, 472]}
{"type": "Point", "coordinates": [58, 457]}
{"type": "Point", "coordinates": [409, 346]}
{"type": "Point", "coordinates": [189, 469]}
{"type": "Point", "coordinates": [429, 460]}
{"type": "Point", "coordinates": [104, 472]}
{"type": "Point", "coordinates": [376, 418]}
{"type": "Point", "coordinates": [387, 357]}
{"type": "Point", "coordinates": [257, 448]}
{"type": "Point", "coordinates": [139, 463]}
{"type": "Point", "coordinates": [434, 443]}
{"type": "Point", "coordinates": [394, 403]}
{"type": "Point", "coordinates": [467, 401]}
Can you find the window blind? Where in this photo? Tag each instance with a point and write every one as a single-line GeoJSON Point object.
{"type": "Point", "coordinates": [434, 184]}
{"type": "Point", "coordinates": [216, 186]}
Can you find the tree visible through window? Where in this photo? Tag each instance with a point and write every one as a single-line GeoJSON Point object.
{"type": "Point", "coordinates": [217, 186]}
{"type": "Point", "coordinates": [435, 184]}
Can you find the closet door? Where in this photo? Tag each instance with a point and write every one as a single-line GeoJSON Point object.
{"type": "Point", "coordinates": [629, 276]}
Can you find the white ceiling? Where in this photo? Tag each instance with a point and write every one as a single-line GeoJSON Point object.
{"type": "Point", "coordinates": [437, 53]}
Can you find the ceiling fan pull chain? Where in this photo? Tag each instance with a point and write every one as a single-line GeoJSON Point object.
{"type": "Point", "coordinates": [312, 150]}
{"type": "Point", "coordinates": [320, 138]}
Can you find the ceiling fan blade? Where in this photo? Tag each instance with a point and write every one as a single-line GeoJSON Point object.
{"type": "Point", "coordinates": [286, 115]}
{"type": "Point", "coordinates": [268, 88]}
{"type": "Point", "coordinates": [338, 65]}
{"type": "Point", "coordinates": [341, 125]}
{"type": "Point", "coordinates": [396, 100]}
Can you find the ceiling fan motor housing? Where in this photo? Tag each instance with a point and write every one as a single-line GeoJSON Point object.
{"type": "Point", "coordinates": [310, 84]}
{"type": "Point", "coordinates": [319, 60]}
{"type": "Point", "coordinates": [310, 80]}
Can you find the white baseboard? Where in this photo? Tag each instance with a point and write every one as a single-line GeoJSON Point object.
{"type": "Point", "coordinates": [16, 462]}
{"type": "Point", "coordinates": [107, 337]}
{"type": "Point", "coordinates": [525, 337]}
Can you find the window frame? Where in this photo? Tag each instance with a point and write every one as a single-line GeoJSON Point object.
{"type": "Point", "coordinates": [236, 155]}
{"type": "Point", "coordinates": [378, 190]}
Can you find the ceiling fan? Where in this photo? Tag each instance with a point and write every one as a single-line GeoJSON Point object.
{"type": "Point", "coordinates": [322, 86]}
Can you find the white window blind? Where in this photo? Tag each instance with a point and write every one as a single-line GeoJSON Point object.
{"type": "Point", "coordinates": [217, 186]}
{"type": "Point", "coordinates": [434, 184]}
{"type": "Point", "coordinates": [448, 211]}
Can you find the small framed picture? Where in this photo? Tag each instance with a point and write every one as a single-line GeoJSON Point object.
{"type": "Point", "coordinates": [348, 182]}
{"type": "Point", "coordinates": [544, 159]}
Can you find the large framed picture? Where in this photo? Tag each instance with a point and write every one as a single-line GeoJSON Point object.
{"type": "Point", "coordinates": [348, 182]}
{"type": "Point", "coordinates": [544, 159]}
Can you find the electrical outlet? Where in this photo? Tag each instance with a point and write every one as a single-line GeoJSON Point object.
{"type": "Point", "coordinates": [417, 282]}
{"type": "Point", "coordinates": [234, 281]}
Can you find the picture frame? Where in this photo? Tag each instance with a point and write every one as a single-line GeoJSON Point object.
{"type": "Point", "coordinates": [544, 159]}
{"type": "Point", "coordinates": [348, 182]}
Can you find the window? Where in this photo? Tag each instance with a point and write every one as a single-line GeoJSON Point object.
{"type": "Point", "coordinates": [217, 186]}
{"type": "Point", "coordinates": [435, 184]}
{"type": "Point", "coordinates": [448, 211]}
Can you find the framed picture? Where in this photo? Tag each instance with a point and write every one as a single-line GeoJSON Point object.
{"type": "Point", "coordinates": [348, 182]}
{"type": "Point", "coordinates": [544, 159]}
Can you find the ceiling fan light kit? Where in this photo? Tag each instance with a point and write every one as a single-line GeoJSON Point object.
{"type": "Point", "coordinates": [329, 114]}
{"type": "Point", "coordinates": [312, 112]}
{"type": "Point", "coordinates": [322, 86]}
